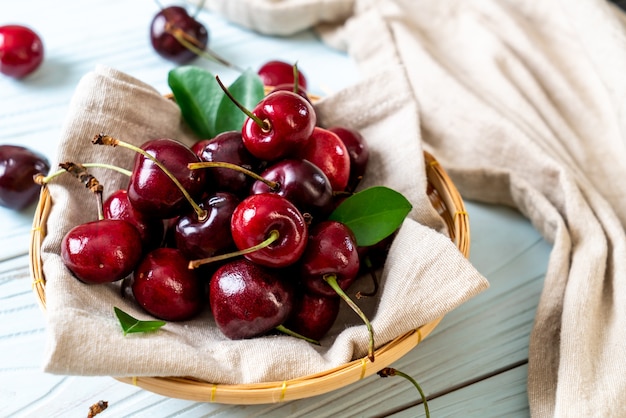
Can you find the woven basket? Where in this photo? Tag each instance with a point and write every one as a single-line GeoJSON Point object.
{"type": "Point", "coordinates": [444, 197]}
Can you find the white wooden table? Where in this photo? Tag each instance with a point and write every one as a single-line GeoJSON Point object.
{"type": "Point", "coordinates": [472, 365]}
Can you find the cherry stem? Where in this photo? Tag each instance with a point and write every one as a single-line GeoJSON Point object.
{"type": "Point", "coordinates": [273, 185]}
{"type": "Point", "coordinates": [41, 179]}
{"type": "Point", "coordinates": [263, 124]}
{"type": "Point", "coordinates": [368, 263]}
{"type": "Point", "coordinates": [331, 279]}
{"type": "Point", "coordinates": [102, 139]}
{"type": "Point", "coordinates": [287, 331]}
{"type": "Point", "coordinates": [196, 47]}
{"type": "Point", "coordinates": [389, 371]}
{"type": "Point", "coordinates": [296, 76]}
{"type": "Point", "coordinates": [273, 236]}
{"type": "Point", "coordinates": [80, 172]}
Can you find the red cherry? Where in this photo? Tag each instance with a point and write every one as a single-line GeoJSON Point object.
{"type": "Point", "coordinates": [285, 124]}
{"type": "Point", "coordinates": [248, 300]}
{"type": "Point", "coordinates": [165, 287]}
{"type": "Point", "coordinates": [313, 315]}
{"type": "Point", "coordinates": [171, 22]}
{"type": "Point", "coordinates": [101, 251]}
{"type": "Point", "coordinates": [21, 51]}
{"type": "Point", "coordinates": [358, 151]}
{"type": "Point", "coordinates": [257, 217]}
{"type": "Point", "coordinates": [18, 165]}
{"type": "Point", "coordinates": [276, 72]}
{"type": "Point", "coordinates": [327, 151]}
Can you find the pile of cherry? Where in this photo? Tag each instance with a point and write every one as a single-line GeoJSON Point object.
{"type": "Point", "coordinates": [239, 221]}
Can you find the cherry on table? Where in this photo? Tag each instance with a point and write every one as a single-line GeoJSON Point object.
{"type": "Point", "coordinates": [21, 51]}
{"type": "Point", "coordinates": [18, 165]}
{"type": "Point", "coordinates": [174, 21]}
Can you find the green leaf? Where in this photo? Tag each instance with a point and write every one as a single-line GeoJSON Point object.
{"type": "Point", "coordinates": [372, 214]}
{"type": "Point", "coordinates": [198, 95]}
{"type": "Point", "coordinates": [248, 90]}
{"type": "Point", "coordinates": [130, 324]}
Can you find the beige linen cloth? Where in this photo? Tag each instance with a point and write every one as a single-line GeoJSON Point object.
{"type": "Point", "coordinates": [426, 276]}
{"type": "Point", "coordinates": [524, 102]}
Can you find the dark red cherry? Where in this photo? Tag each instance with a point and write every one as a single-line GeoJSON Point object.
{"type": "Point", "coordinates": [259, 216]}
{"type": "Point", "coordinates": [21, 51]}
{"type": "Point", "coordinates": [228, 147]}
{"type": "Point", "coordinates": [301, 182]}
{"type": "Point", "coordinates": [331, 250]}
{"type": "Point", "coordinates": [151, 191]}
{"type": "Point", "coordinates": [313, 315]}
{"type": "Point", "coordinates": [165, 287]}
{"type": "Point", "coordinates": [358, 151]}
{"type": "Point", "coordinates": [326, 150]}
{"type": "Point", "coordinates": [18, 165]}
{"type": "Point", "coordinates": [101, 251]}
{"type": "Point", "coordinates": [171, 22]}
{"type": "Point", "coordinates": [117, 206]}
{"type": "Point", "coordinates": [248, 300]}
{"type": "Point", "coordinates": [211, 236]}
{"type": "Point", "coordinates": [288, 121]}
{"type": "Point", "coordinates": [276, 72]}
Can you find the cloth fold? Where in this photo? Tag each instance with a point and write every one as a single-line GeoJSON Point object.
{"type": "Point", "coordinates": [427, 277]}
{"type": "Point", "coordinates": [523, 103]}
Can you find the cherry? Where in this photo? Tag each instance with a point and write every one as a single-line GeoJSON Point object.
{"type": "Point", "coordinates": [161, 183]}
{"type": "Point", "coordinates": [248, 300]}
{"type": "Point", "coordinates": [173, 24]}
{"type": "Point", "coordinates": [267, 217]}
{"type": "Point", "coordinates": [301, 182]}
{"type": "Point", "coordinates": [101, 251]}
{"type": "Point", "coordinates": [326, 150]}
{"type": "Point", "coordinates": [276, 72]}
{"type": "Point", "coordinates": [313, 315]}
{"type": "Point", "coordinates": [21, 51]}
{"type": "Point", "coordinates": [292, 88]}
{"type": "Point", "coordinates": [358, 151]}
{"type": "Point", "coordinates": [228, 147]}
{"type": "Point", "coordinates": [18, 166]}
{"type": "Point", "coordinates": [330, 265]}
{"type": "Point", "coordinates": [331, 250]}
{"type": "Point", "coordinates": [205, 238]}
{"type": "Point", "coordinates": [164, 286]}
{"type": "Point", "coordinates": [118, 206]}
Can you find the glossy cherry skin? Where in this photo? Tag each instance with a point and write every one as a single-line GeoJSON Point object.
{"type": "Point", "coordinates": [165, 287]}
{"type": "Point", "coordinates": [289, 121]}
{"type": "Point", "coordinates": [18, 165]}
{"type": "Point", "coordinates": [101, 251]}
{"type": "Point", "coordinates": [313, 315]}
{"type": "Point", "coordinates": [358, 150]}
{"type": "Point", "coordinates": [331, 250]}
{"type": "Point", "coordinates": [21, 51]}
{"type": "Point", "coordinates": [166, 45]}
{"type": "Point", "coordinates": [257, 216]}
{"type": "Point", "coordinates": [326, 150]}
{"type": "Point", "coordinates": [228, 147]}
{"type": "Point", "coordinates": [248, 300]}
{"type": "Point", "coordinates": [151, 191]}
{"type": "Point", "coordinates": [117, 206]}
{"type": "Point", "coordinates": [301, 182]}
{"type": "Point", "coordinates": [210, 236]}
{"type": "Point", "coordinates": [290, 87]}
{"type": "Point", "coordinates": [276, 72]}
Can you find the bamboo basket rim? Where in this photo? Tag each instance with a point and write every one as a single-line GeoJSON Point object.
{"type": "Point", "coordinates": [444, 197]}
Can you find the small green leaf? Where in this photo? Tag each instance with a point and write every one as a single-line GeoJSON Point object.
{"type": "Point", "coordinates": [248, 90]}
{"type": "Point", "coordinates": [130, 324]}
{"type": "Point", "coordinates": [372, 214]}
{"type": "Point", "coordinates": [198, 95]}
